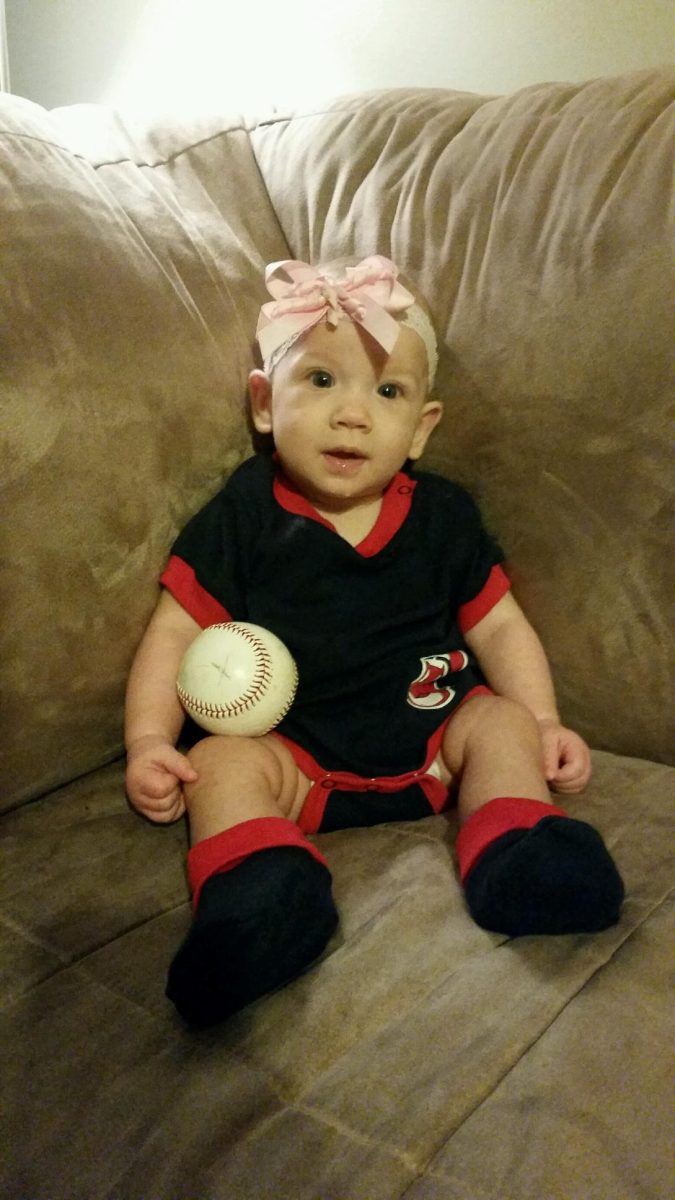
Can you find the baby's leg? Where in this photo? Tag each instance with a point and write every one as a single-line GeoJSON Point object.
{"type": "Point", "coordinates": [526, 866]}
{"type": "Point", "coordinates": [261, 891]}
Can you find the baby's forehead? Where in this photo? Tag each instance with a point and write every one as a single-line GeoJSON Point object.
{"type": "Point", "coordinates": [349, 343]}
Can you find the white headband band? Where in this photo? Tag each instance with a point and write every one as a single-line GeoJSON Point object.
{"type": "Point", "coordinates": [416, 318]}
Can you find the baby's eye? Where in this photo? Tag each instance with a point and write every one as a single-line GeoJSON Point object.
{"type": "Point", "coordinates": [322, 379]}
{"type": "Point", "coordinates": [389, 390]}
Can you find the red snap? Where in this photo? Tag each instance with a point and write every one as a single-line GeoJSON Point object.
{"type": "Point", "coordinates": [327, 784]}
{"type": "Point", "coordinates": [404, 490]}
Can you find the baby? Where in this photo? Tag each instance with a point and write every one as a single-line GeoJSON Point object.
{"type": "Point", "coordinates": [420, 677]}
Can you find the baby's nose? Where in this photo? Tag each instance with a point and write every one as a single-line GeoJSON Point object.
{"type": "Point", "coordinates": [352, 412]}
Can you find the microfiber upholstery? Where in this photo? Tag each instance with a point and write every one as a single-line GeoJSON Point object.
{"type": "Point", "coordinates": [539, 227]}
{"type": "Point", "coordinates": [422, 1058]}
{"type": "Point", "coordinates": [134, 299]}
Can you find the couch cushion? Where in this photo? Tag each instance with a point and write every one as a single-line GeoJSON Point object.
{"type": "Point", "coordinates": [540, 226]}
{"type": "Point", "coordinates": [130, 285]}
{"type": "Point", "coordinates": [416, 1028]}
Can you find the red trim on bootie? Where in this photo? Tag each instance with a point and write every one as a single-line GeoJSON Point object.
{"type": "Point", "coordinates": [492, 820]}
{"type": "Point", "coordinates": [226, 850]}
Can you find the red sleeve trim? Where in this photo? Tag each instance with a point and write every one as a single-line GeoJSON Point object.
{"type": "Point", "coordinates": [179, 579]}
{"type": "Point", "coordinates": [497, 585]}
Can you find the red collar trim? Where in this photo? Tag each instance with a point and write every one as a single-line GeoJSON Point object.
{"type": "Point", "coordinates": [396, 503]}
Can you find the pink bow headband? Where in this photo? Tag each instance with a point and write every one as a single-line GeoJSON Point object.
{"type": "Point", "coordinates": [369, 294]}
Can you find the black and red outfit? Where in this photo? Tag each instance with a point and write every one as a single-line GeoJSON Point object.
{"type": "Point", "coordinates": [377, 630]}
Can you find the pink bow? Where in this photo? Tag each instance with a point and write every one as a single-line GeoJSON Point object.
{"type": "Point", "coordinates": [368, 293]}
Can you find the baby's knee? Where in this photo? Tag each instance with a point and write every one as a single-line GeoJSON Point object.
{"type": "Point", "coordinates": [488, 723]}
{"type": "Point", "coordinates": [220, 750]}
{"type": "Point", "coordinates": [206, 751]}
{"type": "Point", "coordinates": [511, 716]}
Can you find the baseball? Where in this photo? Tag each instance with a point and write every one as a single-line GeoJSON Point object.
{"type": "Point", "coordinates": [237, 678]}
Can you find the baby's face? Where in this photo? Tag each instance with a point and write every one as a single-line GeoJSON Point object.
{"type": "Point", "coordinates": [344, 415]}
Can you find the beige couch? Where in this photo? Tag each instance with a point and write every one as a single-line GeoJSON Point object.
{"type": "Point", "coordinates": [423, 1057]}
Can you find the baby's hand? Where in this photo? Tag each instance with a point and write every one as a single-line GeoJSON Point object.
{"type": "Point", "coordinates": [155, 774]}
{"type": "Point", "coordinates": [567, 759]}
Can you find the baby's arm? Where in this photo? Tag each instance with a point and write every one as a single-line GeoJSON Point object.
{"type": "Point", "coordinates": [154, 717]}
{"type": "Point", "coordinates": [514, 663]}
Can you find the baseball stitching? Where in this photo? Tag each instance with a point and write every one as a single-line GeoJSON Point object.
{"type": "Point", "coordinates": [256, 690]}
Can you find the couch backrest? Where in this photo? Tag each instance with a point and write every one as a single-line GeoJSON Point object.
{"type": "Point", "coordinates": [130, 269]}
{"type": "Point", "coordinates": [540, 226]}
{"type": "Point", "coordinates": [130, 279]}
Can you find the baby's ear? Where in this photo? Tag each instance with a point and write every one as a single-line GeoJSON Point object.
{"type": "Point", "coordinates": [429, 418]}
{"type": "Point", "coordinates": [260, 395]}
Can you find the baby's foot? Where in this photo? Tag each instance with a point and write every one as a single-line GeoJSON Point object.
{"type": "Point", "coordinates": [555, 877]}
{"type": "Point", "coordinates": [256, 927]}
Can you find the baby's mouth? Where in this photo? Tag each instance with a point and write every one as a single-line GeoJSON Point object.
{"type": "Point", "coordinates": [343, 461]}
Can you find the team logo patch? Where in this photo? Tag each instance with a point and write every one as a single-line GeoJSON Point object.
{"type": "Point", "coordinates": [429, 689]}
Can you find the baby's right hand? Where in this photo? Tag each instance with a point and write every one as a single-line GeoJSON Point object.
{"type": "Point", "coordinates": [155, 774]}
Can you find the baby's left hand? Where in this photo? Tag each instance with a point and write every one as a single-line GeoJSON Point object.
{"type": "Point", "coordinates": [567, 759]}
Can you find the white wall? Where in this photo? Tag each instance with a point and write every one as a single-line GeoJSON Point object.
{"type": "Point", "coordinates": [4, 57]}
{"type": "Point", "coordinates": [167, 54]}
